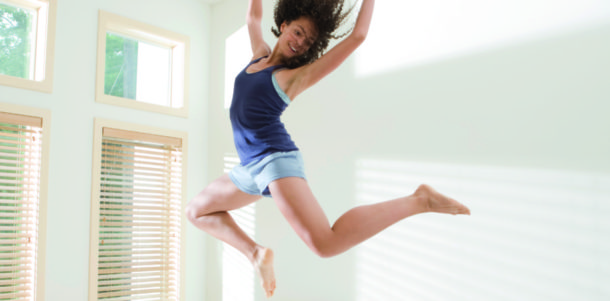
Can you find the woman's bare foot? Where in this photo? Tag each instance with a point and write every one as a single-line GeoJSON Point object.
{"type": "Point", "coordinates": [432, 201]}
{"type": "Point", "coordinates": [263, 264]}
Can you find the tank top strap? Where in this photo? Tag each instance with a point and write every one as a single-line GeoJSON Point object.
{"type": "Point", "coordinates": [254, 61]}
{"type": "Point", "coordinates": [271, 69]}
{"type": "Point", "coordinates": [275, 68]}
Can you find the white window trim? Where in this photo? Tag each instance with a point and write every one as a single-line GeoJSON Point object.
{"type": "Point", "coordinates": [180, 45]}
{"type": "Point", "coordinates": [100, 124]}
{"type": "Point", "coordinates": [45, 47]}
{"type": "Point", "coordinates": [44, 188]}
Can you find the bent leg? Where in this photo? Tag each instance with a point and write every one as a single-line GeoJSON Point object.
{"type": "Point", "coordinates": [298, 205]}
{"type": "Point", "coordinates": [208, 211]}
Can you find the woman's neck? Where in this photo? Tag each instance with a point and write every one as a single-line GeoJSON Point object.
{"type": "Point", "coordinates": [275, 58]}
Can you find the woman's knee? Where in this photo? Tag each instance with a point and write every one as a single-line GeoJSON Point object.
{"type": "Point", "coordinates": [321, 245]}
{"type": "Point", "coordinates": [198, 207]}
{"type": "Point", "coordinates": [191, 212]}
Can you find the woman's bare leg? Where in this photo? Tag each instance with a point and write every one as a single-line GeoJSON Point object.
{"type": "Point", "coordinates": [208, 211]}
{"type": "Point", "coordinates": [298, 205]}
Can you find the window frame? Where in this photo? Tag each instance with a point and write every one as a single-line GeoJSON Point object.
{"type": "Point", "coordinates": [99, 126]}
{"type": "Point", "coordinates": [45, 47]}
{"type": "Point", "coordinates": [179, 77]}
{"type": "Point", "coordinates": [45, 115]}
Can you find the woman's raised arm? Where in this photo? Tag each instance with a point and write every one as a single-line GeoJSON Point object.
{"type": "Point", "coordinates": [253, 19]}
{"type": "Point", "coordinates": [308, 75]}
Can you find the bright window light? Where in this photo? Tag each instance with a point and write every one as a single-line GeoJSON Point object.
{"type": "Point", "coordinates": [407, 32]}
{"type": "Point", "coordinates": [237, 55]}
{"type": "Point", "coordinates": [237, 271]}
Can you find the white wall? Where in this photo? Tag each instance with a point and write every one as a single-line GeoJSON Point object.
{"type": "Point", "coordinates": [73, 109]}
{"type": "Point", "coordinates": [517, 130]}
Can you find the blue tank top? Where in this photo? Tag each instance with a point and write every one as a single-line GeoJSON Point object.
{"type": "Point", "coordinates": [255, 115]}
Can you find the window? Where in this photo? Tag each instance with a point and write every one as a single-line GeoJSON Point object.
{"type": "Point", "coordinates": [238, 53]}
{"type": "Point", "coordinates": [141, 66]}
{"type": "Point", "coordinates": [23, 187]}
{"type": "Point", "coordinates": [27, 31]}
{"type": "Point", "coordinates": [136, 245]}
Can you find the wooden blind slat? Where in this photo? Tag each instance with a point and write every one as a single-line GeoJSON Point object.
{"type": "Point", "coordinates": [16, 275]}
{"type": "Point", "coordinates": [14, 281]}
{"type": "Point", "coordinates": [19, 287]}
{"type": "Point", "coordinates": [136, 287]}
{"type": "Point", "coordinates": [158, 264]}
{"type": "Point", "coordinates": [22, 138]}
{"type": "Point", "coordinates": [20, 129]}
{"type": "Point", "coordinates": [132, 201]}
{"type": "Point", "coordinates": [142, 275]}
{"type": "Point", "coordinates": [132, 196]}
{"type": "Point", "coordinates": [126, 150]}
{"type": "Point", "coordinates": [134, 258]}
{"type": "Point", "coordinates": [133, 224]}
{"type": "Point", "coordinates": [160, 190]}
{"type": "Point", "coordinates": [14, 248]}
{"type": "Point", "coordinates": [132, 281]}
{"type": "Point", "coordinates": [129, 293]}
{"type": "Point", "coordinates": [12, 256]}
{"type": "Point", "coordinates": [131, 252]}
{"type": "Point", "coordinates": [112, 271]}
{"type": "Point", "coordinates": [145, 297]}
{"type": "Point", "coordinates": [138, 136]}
{"type": "Point", "coordinates": [18, 119]}
{"type": "Point", "coordinates": [11, 296]}
{"type": "Point", "coordinates": [134, 207]}
{"type": "Point", "coordinates": [14, 235]}
{"type": "Point", "coordinates": [9, 268]}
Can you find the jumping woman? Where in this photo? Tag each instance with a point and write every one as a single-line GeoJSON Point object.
{"type": "Point", "coordinates": [271, 164]}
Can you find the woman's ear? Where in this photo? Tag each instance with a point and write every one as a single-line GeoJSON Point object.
{"type": "Point", "coordinates": [284, 24]}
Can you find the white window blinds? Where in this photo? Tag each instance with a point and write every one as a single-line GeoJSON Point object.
{"type": "Point", "coordinates": [20, 170]}
{"type": "Point", "coordinates": [138, 237]}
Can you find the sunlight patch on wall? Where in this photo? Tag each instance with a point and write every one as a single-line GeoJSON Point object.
{"type": "Point", "coordinates": [533, 235]}
{"type": "Point", "coordinates": [237, 55]}
{"type": "Point", "coordinates": [407, 32]}
{"type": "Point", "coordinates": [237, 271]}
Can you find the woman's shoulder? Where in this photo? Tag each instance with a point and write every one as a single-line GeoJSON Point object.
{"type": "Point", "coordinates": [261, 53]}
{"type": "Point", "coordinates": [257, 59]}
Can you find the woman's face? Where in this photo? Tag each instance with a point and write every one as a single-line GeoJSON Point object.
{"type": "Point", "coordinates": [297, 36]}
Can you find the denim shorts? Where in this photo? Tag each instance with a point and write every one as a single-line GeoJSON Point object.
{"type": "Point", "coordinates": [255, 177]}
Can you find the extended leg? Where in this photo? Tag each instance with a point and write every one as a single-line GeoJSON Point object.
{"type": "Point", "coordinates": [298, 205]}
{"type": "Point", "coordinates": [208, 211]}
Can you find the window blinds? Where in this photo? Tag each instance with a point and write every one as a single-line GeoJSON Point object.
{"type": "Point", "coordinates": [20, 166]}
{"type": "Point", "coordinates": [139, 217]}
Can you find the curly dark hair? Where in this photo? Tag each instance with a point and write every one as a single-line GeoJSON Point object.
{"type": "Point", "coordinates": [327, 15]}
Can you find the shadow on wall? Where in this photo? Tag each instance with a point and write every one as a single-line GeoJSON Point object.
{"type": "Point", "coordinates": [533, 235]}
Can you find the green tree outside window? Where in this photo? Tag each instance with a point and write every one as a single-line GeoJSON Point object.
{"type": "Point", "coordinates": [15, 41]}
{"type": "Point", "coordinates": [121, 66]}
